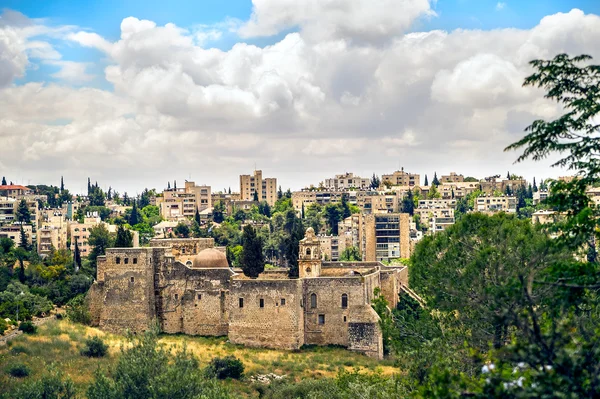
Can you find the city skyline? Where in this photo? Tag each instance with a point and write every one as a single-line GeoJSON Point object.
{"type": "Point", "coordinates": [137, 94]}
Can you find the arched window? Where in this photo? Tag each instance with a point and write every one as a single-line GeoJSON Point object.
{"type": "Point", "coordinates": [313, 300]}
{"type": "Point", "coordinates": [307, 251]}
{"type": "Point", "coordinates": [344, 301]}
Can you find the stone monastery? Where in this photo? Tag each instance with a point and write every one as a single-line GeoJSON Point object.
{"type": "Point", "coordinates": [187, 286]}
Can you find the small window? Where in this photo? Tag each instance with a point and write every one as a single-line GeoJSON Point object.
{"type": "Point", "coordinates": [313, 300]}
{"type": "Point", "coordinates": [126, 260]}
{"type": "Point", "coordinates": [241, 302]}
{"type": "Point", "coordinates": [344, 319]}
{"type": "Point", "coordinates": [261, 303]}
{"type": "Point", "coordinates": [176, 297]}
{"type": "Point", "coordinates": [199, 296]}
{"type": "Point", "coordinates": [282, 301]}
{"type": "Point", "coordinates": [182, 250]}
{"type": "Point", "coordinates": [132, 279]}
{"type": "Point", "coordinates": [307, 251]}
{"type": "Point", "coordinates": [321, 319]}
{"type": "Point", "coordinates": [118, 260]}
{"type": "Point", "coordinates": [135, 261]}
{"type": "Point", "coordinates": [344, 301]}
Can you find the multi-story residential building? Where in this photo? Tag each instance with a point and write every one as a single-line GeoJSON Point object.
{"type": "Point", "coordinates": [457, 190]}
{"type": "Point", "coordinates": [437, 203]}
{"type": "Point", "coordinates": [324, 197]}
{"type": "Point", "coordinates": [544, 217]}
{"type": "Point", "coordinates": [80, 232]}
{"type": "Point", "coordinates": [437, 224]}
{"type": "Point", "coordinates": [47, 239]}
{"type": "Point", "coordinates": [402, 178]}
{"type": "Point", "coordinates": [384, 236]}
{"type": "Point", "coordinates": [179, 203]}
{"type": "Point", "coordinates": [540, 196]}
{"type": "Point", "coordinates": [425, 214]}
{"type": "Point", "coordinates": [349, 231]}
{"type": "Point", "coordinates": [15, 191]}
{"type": "Point", "coordinates": [381, 203]}
{"type": "Point", "coordinates": [9, 206]}
{"type": "Point", "coordinates": [452, 178]}
{"type": "Point", "coordinates": [331, 247]}
{"type": "Point", "coordinates": [53, 231]}
{"type": "Point", "coordinates": [496, 204]}
{"type": "Point", "coordinates": [265, 187]}
{"type": "Point", "coordinates": [345, 182]}
{"type": "Point", "coordinates": [13, 232]}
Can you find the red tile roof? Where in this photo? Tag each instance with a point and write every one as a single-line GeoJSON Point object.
{"type": "Point", "coordinates": [13, 187]}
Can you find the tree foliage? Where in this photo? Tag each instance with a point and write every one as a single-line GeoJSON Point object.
{"type": "Point", "coordinates": [252, 259]}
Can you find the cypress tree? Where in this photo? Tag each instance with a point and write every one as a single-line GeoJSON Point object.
{"type": "Point", "coordinates": [302, 214]}
{"type": "Point", "coordinates": [535, 187]}
{"type": "Point", "coordinates": [89, 187]}
{"type": "Point", "coordinates": [252, 260]}
{"type": "Point", "coordinates": [197, 217]}
{"type": "Point", "coordinates": [255, 198]}
{"type": "Point", "coordinates": [134, 218]}
{"type": "Point", "coordinates": [62, 184]}
{"type": "Point", "coordinates": [279, 193]}
{"type": "Point", "coordinates": [426, 181]}
{"type": "Point", "coordinates": [23, 236]}
{"type": "Point", "coordinates": [435, 180]}
{"type": "Point", "coordinates": [174, 184]}
{"type": "Point", "coordinates": [77, 256]}
{"type": "Point", "coordinates": [23, 215]}
{"type": "Point", "coordinates": [229, 191]}
{"type": "Point", "coordinates": [124, 238]}
{"type": "Point", "coordinates": [3, 181]}
{"type": "Point", "coordinates": [507, 175]}
{"type": "Point", "coordinates": [168, 185]}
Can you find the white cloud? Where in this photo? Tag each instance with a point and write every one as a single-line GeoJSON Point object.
{"type": "Point", "coordinates": [70, 71]}
{"type": "Point", "coordinates": [366, 95]}
{"type": "Point", "coordinates": [500, 6]}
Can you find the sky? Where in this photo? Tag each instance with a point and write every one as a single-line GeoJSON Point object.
{"type": "Point", "coordinates": [136, 93]}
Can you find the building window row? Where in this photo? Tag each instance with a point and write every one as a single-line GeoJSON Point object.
{"type": "Point", "coordinates": [261, 302]}
{"type": "Point", "coordinates": [125, 260]}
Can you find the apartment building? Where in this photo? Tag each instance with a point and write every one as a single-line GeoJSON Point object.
{"type": "Point", "coordinates": [80, 232]}
{"type": "Point", "coordinates": [346, 181]}
{"type": "Point", "coordinates": [437, 203]}
{"type": "Point", "coordinates": [438, 224]}
{"type": "Point", "coordinates": [349, 231]}
{"type": "Point", "coordinates": [9, 206]}
{"type": "Point", "coordinates": [332, 247]}
{"type": "Point", "coordinates": [402, 178]}
{"type": "Point", "coordinates": [384, 236]}
{"type": "Point", "coordinates": [53, 231]}
{"type": "Point", "coordinates": [180, 203]}
{"type": "Point", "coordinates": [544, 217]}
{"type": "Point", "coordinates": [457, 190]}
{"type": "Point", "coordinates": [496, 204]}
{"type": "Point", "coordinates": [452, 178]}
{"type": "Point", "coordinates": [13, 232]}
{"type": "Point", "coordinates": [308, 197]}
{"type": "Point", "coordinates": [376, 202]}
{"type": "Point", "coordinates": [265, 187]}
{"type": "Point", "coordinates": [14, 191]}
{"type": "Point", "coordinates": [542, 195]}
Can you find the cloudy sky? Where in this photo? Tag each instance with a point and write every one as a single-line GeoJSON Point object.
{"type": "Point", "coordinates": [136, 94]}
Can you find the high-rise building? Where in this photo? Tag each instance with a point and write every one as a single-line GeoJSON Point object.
{"type": "Point", "coordinates": [266, 188]}
{"type": "Point", "coordinates": [385, 236]}
{"type": "Point", "coordinates": [183, 202]}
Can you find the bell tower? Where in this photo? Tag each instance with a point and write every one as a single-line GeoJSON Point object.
{"type": "Point", "coordinates": [309, 256]}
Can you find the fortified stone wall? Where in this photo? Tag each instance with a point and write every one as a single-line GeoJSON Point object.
{"type": "Point", "coordinates": [193, 301]}
{"type": "Point", "coordinates": [277, 324]}
{"type": "Point", "coordinates": [183, 249]}
{"type": "Point", "coordinates": [94, 298]}
{"type": "Point", "coordinates": [326, 316]}
{"type": "Point", "coordinates": [128, 288]}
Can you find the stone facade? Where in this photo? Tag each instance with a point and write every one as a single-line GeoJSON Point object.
{"type": "Point", "coordinates": [329, 304]}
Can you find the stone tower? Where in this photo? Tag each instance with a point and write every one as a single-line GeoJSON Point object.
{"type": "Point", "coordinates": [309, 257]}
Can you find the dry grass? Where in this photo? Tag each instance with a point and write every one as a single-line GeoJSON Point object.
{"type": "Point", "coordinates": [60, 341]}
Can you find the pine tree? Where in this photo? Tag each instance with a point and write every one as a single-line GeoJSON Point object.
{"type": "Point", "coordinates": [62, 184]}
{"type": "Point", "coordinates": [279, 193]}
{"type": "Point", "coordinates": [134, 218]}
{"type": "Point", "coordinates": [23, 237]}
{"type": "Point", "coordinates": [89, 187]}
{"type": "Point", "coordinates": [3, 181]}
{"type": "Point", "coordinates": [124, 238]}
{"type": "Point", "coordinates": [197, 216]}
{"type": "Point", "coordinates": [426, 181]}
{"type": "Point", "coordinates": [255, 197]}
{"type": "Point", "coordinates": [109, 193]}
{"type": "Point", "coordinates": [507, 175]}
{"type": "Point", "coordinates": [535, 187]}
{"type": "Point", "coordinates": [175, 185]}
{"type": "Point", "coordinates": [77, 256]}
{"type": "Point", "coordinates": [530, 192]}
{"type": "Point", "coordinates": [345, 207]}
{"type": "Point", "coordinates": [229, 191]}
{"type": "Point", "coordinates": [252, 260]}
{"type": "Point", "coordinates": [435, 180]}
{"type": "Point", "coordinates": [168, 185]}
{"type": "Point", "coordinates": [408, 203]}
{"type": "Point", "coordinates": [22, 214]}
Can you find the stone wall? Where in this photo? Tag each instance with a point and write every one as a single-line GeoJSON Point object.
{"type": "Point", "coordinates": [128, 288]}
{"type": "Point", "coordinates": [327, 322]}
{"type": "Point", "coordinates": [193, 301]}
{"type": "Point", "coordinates": [183, 249]}
{"type": "Point", "coordinates": [94, 300]}
{"type": "Point", "coordinates": [276, 324]}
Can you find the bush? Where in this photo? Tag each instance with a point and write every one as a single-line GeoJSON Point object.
{"type": "Point", "coordinates": [18, 370]}
{"type": "Point", "coordinates": [77, 310]}
{"type": "Point", "coordinates": [17, 349]}
{"type": "Point", "coordinates": [53, 385]}
{"type": "Point", "coordinates": [3, 326]}
{"type": "Point", "coordinates": [225, 367]}
{"type": "Point", "coordinates": [94, 347]}
{"type": "Point", "coordinates": [28, 327]}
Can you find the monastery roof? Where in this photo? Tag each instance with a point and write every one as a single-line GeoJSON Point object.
{"type": "Point", "coordinates": [210, 258]}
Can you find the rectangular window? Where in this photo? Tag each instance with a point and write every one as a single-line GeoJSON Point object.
{"type": "Point", "coordinates": [176, 297]}
{"type": "Point", "coordinates": [135, 261]}
{"type": "Point", "coordinates": [321, 319]}
{"type": "Point", "coordinates": [199, 296]}
{"type": "Point", "coordinates": [126, 260]}
{"type": "Point", "coordinates": [132, 279]}
{"type": "Point", "coordinates": [118, 260]}
{"type": "Point", "coordinates": [261, 303]}
{"type": "Point", "coordinates": [282, 301]}
{"type": "Point", "coordinates": [241, 302]}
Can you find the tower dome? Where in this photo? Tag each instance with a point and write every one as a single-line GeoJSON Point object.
{"type": "Point", "coordinates": [210, 258]}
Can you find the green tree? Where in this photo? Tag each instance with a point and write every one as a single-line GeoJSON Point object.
{"type": "Point", "coordinates": [77, 256]}
{"type": "Point", "coordinates": [134, 218]}
{"type": "Point", "coordinates": [182, 230]}
{"type": "Point", "coordinates": [255, 196]}
{"type": "Point", "coordinates": [433, 192]}
{"type": "Point", "coordinates": [197, 217]}
{"type": "Point", "coordinates": [435, 180]}
{"type": "Point", "coordinates": [124, 238]}
{"type": "Point", "coordinates": [408, 204]}
{"type": "Point", "coordinates": [350, 254]}
{"type": "Point", "coordinates": [252, 259]}
{"type": "Point", "coordinates": [333, 215]}
{"type": "Point", "coordinates": [345, 207]}
{"type": "Point", "coordinates": [23, 238]}
{"type": "Point", "coordinates": [21, 254]}
{"type": "Point", "coordinates": [218, 212]}
{"type": "Point", "coordinates": [22, 214]}
{"type": "Point", "coordinates": [99, 240]}
{"type": "Point", "coordinates": [426, 182]}
{"type": "Point", "coordinates": [4, 181]}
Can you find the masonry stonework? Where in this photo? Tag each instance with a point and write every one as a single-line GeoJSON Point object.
{"type": "Point", "coordinates": [187, 286]}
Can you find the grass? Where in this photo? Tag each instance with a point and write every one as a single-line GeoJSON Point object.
{"type": "Point", "coordinates": [60, 342]}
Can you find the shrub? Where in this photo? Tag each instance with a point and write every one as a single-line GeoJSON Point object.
{"type": "Point", "coordinates": [28, 327]}
{"type": "Point", "coordinates": [225, 367]}
{"type": "Point", "coordinates": [54, 384]}
{"type": "Point", "coordinates": [18, 370]}
{"type": "Point", "coordinates": [3, 326]}
{"type": "Point", "coordinates": [77, 310]}
{"type": "Point", "coordinates": [94, 347]}
{"type": "Point", "coordinates": [17, 349]}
